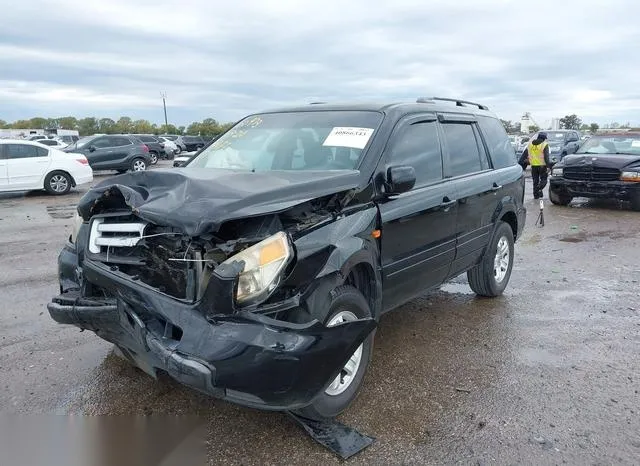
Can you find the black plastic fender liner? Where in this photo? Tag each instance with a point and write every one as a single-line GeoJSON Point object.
{"type": "Point", "coordinates": [342, 440]}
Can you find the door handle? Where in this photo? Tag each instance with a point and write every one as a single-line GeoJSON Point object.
{"type": "Point", "coordinates": [446, 202]}
{"type": "Point", "coordinates": [496, 187]}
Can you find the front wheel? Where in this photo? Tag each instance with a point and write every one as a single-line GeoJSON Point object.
{"type": "Point", "coordinates": [138, 165]}
{"type": "Point", "coordinates": [491, 276]}
{"type": "Point", "coordinates": [154, 158]}
{"type": "Point", "coordinates": [559, 199]}
{"type": "Point", "coordinates": [346, 304]}
{"type": "Point", "coordinates": [57, 183]}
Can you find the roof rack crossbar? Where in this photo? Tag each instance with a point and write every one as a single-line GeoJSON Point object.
{"type": "Point", "coordinates": [459, 102]}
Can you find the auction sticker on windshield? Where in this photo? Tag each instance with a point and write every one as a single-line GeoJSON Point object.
{"type": "Point", "coordinates": [355, 138]}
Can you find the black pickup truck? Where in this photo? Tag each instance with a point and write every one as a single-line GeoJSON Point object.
{"type": "Point", "coordinates": [258, 272]}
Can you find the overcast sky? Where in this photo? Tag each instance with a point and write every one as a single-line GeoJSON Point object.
{"type": "Point", "coordinates": [225, 59]}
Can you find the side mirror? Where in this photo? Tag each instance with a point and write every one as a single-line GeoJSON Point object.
{"type": "Point", "coordinates": [92, 148]}
{"type": "Point", "coordinates": [400, 179]}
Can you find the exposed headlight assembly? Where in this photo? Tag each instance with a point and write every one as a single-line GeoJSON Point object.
{"type": "Point", "coordinates": [630, 176]}
{"type": "Point", "coordinates": [263, 266]}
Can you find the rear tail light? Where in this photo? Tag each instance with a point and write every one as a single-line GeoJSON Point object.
{"type": "Point", "coordinates": [145, 148]}
{"type": "Point", "coordinates": [83, 161]}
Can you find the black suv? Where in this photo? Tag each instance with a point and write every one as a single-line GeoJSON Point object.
{"type": "Point", "coordinates": [155, 145]}
{"type": "Point", "coordinates": [258, 272]}
{"type": "Point", "coordinates": [113, 152]}
{"type": "Point", "coordinates": [193, 143]}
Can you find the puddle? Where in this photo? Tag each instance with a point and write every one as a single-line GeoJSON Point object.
{"type": "Point", "coordinates": [62, 211]}
{"type": "Point", "coordinates": [571, 239]}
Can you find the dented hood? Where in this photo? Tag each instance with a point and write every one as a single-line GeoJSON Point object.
{"type": "Point", "coordinates": [200, 200]}
{"type": "Point", "coordinates": [601, 160]}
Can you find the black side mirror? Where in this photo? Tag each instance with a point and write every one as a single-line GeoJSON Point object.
{"type": "Point", "coordinates": [92, 148]}
{"type": "Point", "coordinates": [400, 179]}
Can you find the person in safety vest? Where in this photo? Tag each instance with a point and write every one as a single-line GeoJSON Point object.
{"type": "Point", "coordinates": [537, 155]}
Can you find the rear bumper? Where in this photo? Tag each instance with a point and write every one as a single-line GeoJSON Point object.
{"type": "Point", "coordinates": [243, 357]}
{"type": "Point", "coordinates": [621, 190]}
{"type": "Point", "coordinates": [84, 177]}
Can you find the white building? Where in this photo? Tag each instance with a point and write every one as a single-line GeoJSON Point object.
{"type": "Point", "coordinates": [555, 124]}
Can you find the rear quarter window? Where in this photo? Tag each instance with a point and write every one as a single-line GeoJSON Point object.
{"type": "Point", "coordinates": [500, 149]}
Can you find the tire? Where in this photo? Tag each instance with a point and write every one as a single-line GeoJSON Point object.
{"type": "Point", "coordinates": [58, 183]}
{"type": "Point", "coordinates": [154, 158]}
{"type": "Point", "coordinates": [559, 199]}
{"type": "Point", "coordinates": [491, 276]}
{"type": "Point", "coordinates": [178, 150]}
{"type": "Point", "coordinates": [138, 165]}
{"type": "Point", "coordinates": [344, 300]}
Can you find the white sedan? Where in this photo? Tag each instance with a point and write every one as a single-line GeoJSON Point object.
{"type": "Point", "coordinates": [55, 143]}
{"type": "Point", "coordinates": [29, 165]}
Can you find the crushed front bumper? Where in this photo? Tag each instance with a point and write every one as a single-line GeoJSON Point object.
{"type": "Point", "coordinates": [620, 190]}
{"type": "Point", "coordinates": [244, 357]}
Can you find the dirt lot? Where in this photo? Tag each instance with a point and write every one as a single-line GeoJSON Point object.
{"type": "Point", "coordinates": [547, 374]}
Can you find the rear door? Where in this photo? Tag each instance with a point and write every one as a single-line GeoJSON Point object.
{"type": "Point", "coordinates": [4, 177]}
{"type": "Point", "coordinates": [419, 226]}
{"type": "Point", "coordinates": [110, 152]}
{"type": "Point", "coordinates": [26, 165]}
{"type": "Point", "coordinates": [468, 168]}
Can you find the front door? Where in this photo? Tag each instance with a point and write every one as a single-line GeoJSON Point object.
{"type": "Point", "coordinates": [418, 227]}
{"type": "Point", "coordinates": [26, 165]}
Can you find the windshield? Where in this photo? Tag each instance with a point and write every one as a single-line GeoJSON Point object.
{"type": "Point", "coordinates": [320, 140]}
{"type": "Point", "coordinates": [555, 137]}
{"type": "Point", "coordinates": [611, 145]}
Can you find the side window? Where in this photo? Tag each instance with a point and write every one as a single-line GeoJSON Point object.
{"type": "Point", "coordinates": [418, 145]}
{"type": "Point", "coordinates": [464, 156]}
{"type": "Point", "coordinates": [497, 141]}
{"type": "Point", "coordinates": [101, 143]}
{"type": "Point", "coordinates": [49, 142]}
{"type": "Point", "coordinates": [23, 151]}
{"type": "Point", "coordinates": [120, 141]}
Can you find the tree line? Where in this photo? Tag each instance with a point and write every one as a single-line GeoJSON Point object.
{"type": "Point", "coordinates": [208, 127]}
{"type": "Point", "coordinates": [572, 121]}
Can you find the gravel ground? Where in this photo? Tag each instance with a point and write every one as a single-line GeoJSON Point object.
{"type": "Point", "coordinates": [546, 374]}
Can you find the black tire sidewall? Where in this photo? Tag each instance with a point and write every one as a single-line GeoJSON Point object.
{"type": "Point", "coordinates": [328, 406]}
{"type": "Point", "coordinates": [558, 199]}
{"type": "Point", "coordinates": [497, 288]}
{"type": "Point", "coordinates": [47, 181]}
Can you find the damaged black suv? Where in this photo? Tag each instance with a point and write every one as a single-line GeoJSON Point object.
{"type": "Point", "coordinates": [258, 272]}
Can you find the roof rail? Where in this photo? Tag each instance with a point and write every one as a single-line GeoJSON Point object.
{"type": "Point", "coordinates": [317, 103]}
{"type": "Point", "coordinates": [459, 102]}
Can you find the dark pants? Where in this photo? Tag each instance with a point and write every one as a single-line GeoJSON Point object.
{"type": "Point", "coordinates": [539, 175]}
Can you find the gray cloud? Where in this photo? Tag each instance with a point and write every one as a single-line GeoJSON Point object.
{"type": "Point", "coordinates": [550, 58]}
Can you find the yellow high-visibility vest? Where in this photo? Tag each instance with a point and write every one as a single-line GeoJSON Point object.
{"type": "Point", "coordinates": [536, 154]}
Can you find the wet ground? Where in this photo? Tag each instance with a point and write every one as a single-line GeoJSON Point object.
{"type": "Point", "coordinates": [547, 374]}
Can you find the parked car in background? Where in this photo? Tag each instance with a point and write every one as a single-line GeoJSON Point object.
{"type": "Point", "coordinates": [193, 143]}
{"type": "Point", "coordinates": [29, 165]}
{"type": "Point", "coordinates": [605, 166]}
{"type": "Point", "coordinates": [170, 147]}
{"type": "Point", "coordinates": [561, 143]}
{"type": "Point", "coordinates": [258, 273]}
{"type": "Point", "coordinates": [178, 140]}
{"type": "Point", "coordinates": [182, 160]}
{"type": "Point", "coordinates": [55, 143]}
{"type": "Point", "coordinates": [113, 152]}
{"type": "Point", "coordinates": [68, 139]}
{"type": "Point", "coordinates": [155, 145]}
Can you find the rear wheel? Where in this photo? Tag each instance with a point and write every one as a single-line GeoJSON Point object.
{"type": "Point", "coordinates": [57, 183]}
{"type": "Point", "coordinates": [178, 150]}
{"type": "Point", "coordinates": [559, 199]}
{"type": "Point", "coordinates": [138, 165]}
{"type": "Point", "coordinates": [346, 304]}
{"type": "Point", "coordinates": [491, 276]}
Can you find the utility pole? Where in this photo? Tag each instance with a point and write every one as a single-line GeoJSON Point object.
{"type": "Point", "coordinates": [164, 104]}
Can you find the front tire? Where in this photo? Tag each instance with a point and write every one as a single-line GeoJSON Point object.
{"type": "Point", "coordinates": [346, 303]}
{"type": "Point", "coordinates": [491, 276]}
{"type": "Point", "coordinates": [154, 158]}
{"type": "Point", "coordinates": [58, 183]}
{"type": "Point", "coordinates": [559, 199]}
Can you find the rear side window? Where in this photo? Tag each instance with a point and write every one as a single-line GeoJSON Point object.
{"type": "Point", "coordinates": [49, 142]}
{"type": "Point", "coordinates": [464, 156]}
{"type": "Point", "coordinates": [23, 151]}
{"type": "Point", "coordinates": [501, 151]}
{"type": "Point", "coordinates": [418, 145]}
{"type": "Point", "coordinates": [120, 141]}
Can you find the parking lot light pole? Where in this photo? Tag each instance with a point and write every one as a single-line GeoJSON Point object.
{"type": "Point", "coordinates": [164, 105]}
